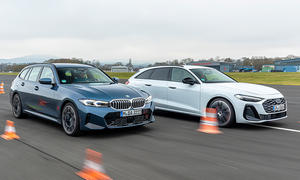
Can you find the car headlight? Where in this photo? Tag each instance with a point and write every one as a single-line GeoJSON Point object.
{"type": "Point", "coordinates": [148, 100]}
{"type": "Point", "coordinates": [94, 103]}
{"type": "Point", "coordinates": [248, 98]}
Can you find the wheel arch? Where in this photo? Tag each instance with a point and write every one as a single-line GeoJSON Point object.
{"type": "Point", "coordinates": [12, 96]}
{"type": "Point", "coordinates": [13, 93]}
{"type": "Point", "coordinates": [216, 97]}
{"type": "Point", "coordinates": [70, 101]}
{"type": "Point", "coordinates": [65, 101]}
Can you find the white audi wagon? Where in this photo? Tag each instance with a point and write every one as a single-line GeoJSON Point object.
{"type": "Point", "coordinates": [191, 89]}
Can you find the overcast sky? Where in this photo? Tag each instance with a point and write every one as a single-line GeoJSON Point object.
{"type": "Point", "coordinates": [152, 30]}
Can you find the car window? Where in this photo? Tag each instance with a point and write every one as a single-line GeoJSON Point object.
{"type": "Point", "coordinates": [47, 73]}
{"type": "Point", "coordinates": [34, 73]}
{"type": "Point", "coordinates": [160, 74]}
{"type": "Point", "coordinates": [23, 73]}
{"type": "Point", "coordinates": [145, 75]}
{"type": "Point", "coordinates": [179, 74]}
{"type": "Point", "coordinates": [71, 75]}
{"type": "Point", "coordinates": [26, 77]}
{"type": "Point", "coordinates": [94, 74]}
{"type": "Point", "coordinates": [211, 76]}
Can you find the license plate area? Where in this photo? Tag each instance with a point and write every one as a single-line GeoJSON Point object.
{"type": "Point", "coordinates": [134, 112]}
{"type": "Point", "coordinates": [279, 107]}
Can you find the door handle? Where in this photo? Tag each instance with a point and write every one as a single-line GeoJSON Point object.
{"type": "Point", "coordinates": [148, 85]}
{"type": "Point", "coordinates": [22, 84]}
{"type": "Point", "coordinates": [36, 88]}
{"type": "Point", "coordinates": [171, 87]}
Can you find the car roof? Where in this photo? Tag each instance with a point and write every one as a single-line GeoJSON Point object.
{"type": "Point", "coordinates": [184, 66]}
{"type": "Point", "coordinates": [60, 65]}
{"type": "Point", "coordinates": [196, 67]}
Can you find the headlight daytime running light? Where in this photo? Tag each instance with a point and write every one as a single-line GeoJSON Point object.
{"type": "Point", "coordinates": [94, 103]}
{"type": "Point", "coordinates": [248, 98]}
{"type": "Point", "coordinates": [148, 100]}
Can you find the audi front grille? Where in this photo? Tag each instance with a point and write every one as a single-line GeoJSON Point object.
{"type": "Point", "coordinates": [269, 103]}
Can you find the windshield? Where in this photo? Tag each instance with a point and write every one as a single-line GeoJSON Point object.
{"type": "Point", "coordinates": [211, 76]}
{"type": "Point", "coordinates": [72, 75]}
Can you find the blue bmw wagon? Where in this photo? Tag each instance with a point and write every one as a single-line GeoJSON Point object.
{"type": "Point", "coordinates": [79, 97]}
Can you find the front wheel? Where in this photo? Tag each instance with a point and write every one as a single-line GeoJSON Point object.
{"type": "Point", "coordinates": [17, 106]}
{"type": "Point", "coordinates": [225, 112]}
{"type": "Point", "coordinates": [70, 120]}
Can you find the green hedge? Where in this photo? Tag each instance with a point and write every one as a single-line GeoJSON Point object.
{"type": "Point", "coordinates": [279, 78]}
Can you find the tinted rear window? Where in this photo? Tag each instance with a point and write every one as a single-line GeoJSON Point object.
{"type": "Point", "coordinates": [161, 74]}
{"type": "Point", "coordinates": [26, 77]}
{"type": "Point", "coordinates": [23, 74]}
{"type": "Point", "coordinates": [145, 75]}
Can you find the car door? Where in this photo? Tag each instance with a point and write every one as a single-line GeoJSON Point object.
{"type": "Point", "coordinates": [32, 89]}
{"type": "Point", "coordinates": [20, 84]}
{"type": "Point", "coordinates": [157, 86]}
{"type": "Point", "coordinates": [154, 81]}
{"type": "Point", "coordinates": [140, 81]}
{"type": "Point", "coordinates": [48, 94]}
{"type": "Point", "coordinates": [183, 97]}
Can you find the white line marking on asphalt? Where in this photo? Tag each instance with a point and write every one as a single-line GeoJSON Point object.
{"type": "Point", "coordinates": [278, 128]}
{"type": "Point", "coordinates": [226, 165]}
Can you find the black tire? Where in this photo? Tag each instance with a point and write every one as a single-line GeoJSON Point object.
{"type": "Point", "coordinates": [70, 120]}
{"type": "Point", "coordinates": [225, 112]}
{"type": "Point", "coordinates": [16, 106]}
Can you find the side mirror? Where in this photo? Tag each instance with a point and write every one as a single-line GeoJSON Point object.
{"type": "Point", "coordinates": [189, 81]}
{"type": "Point", "coordinates": [115, 79]}
{"type": "Point", "coordinates": [47, 81]}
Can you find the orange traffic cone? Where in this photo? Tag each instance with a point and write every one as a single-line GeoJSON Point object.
{"type": "Point", "coordinates": [209, 123]}
{"type": "Point", "coordinates": [92, 169]}
{"type": "Point", "coordinates": [2, 88]}
{"type": "Point", "coordinates": [10, 131]}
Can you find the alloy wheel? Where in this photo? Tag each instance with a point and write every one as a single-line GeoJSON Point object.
{"type": "Point", "coordinates": [223, 111]}
{"type": "Point", "coordinates": [16, 105]}
{"type": "Point", "coordinates": [69, 119]}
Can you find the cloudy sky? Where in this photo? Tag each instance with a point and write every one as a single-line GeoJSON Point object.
{"type": "Point", "coordinates": [149, 30]}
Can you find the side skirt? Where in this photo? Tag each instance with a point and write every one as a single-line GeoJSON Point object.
{"type": "Point", "coordinates": [177, 111]}
{"type": "Point", "coordinates": [42, 116]}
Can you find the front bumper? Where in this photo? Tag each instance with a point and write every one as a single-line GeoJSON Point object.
{"type": "Point", "coordinates": [255, 112]}
{"type": "Point", "coordinates": [250, 114]}
{"type": "Point", "coordinates": [93, 118]}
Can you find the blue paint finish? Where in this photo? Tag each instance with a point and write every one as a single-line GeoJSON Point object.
{"type": "Point", "coordinates": [56, 96]}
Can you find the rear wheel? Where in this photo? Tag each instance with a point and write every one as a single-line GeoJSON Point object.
{"type": "Point", "coordinates": [70, 120]}
{"type": "Point", "coordinates": [225, 112]}
{"type": "Point", "coordinates": [17, 106]}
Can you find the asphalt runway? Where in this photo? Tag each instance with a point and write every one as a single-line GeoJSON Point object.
{"type": "Point", "coordinates": [170, 148]}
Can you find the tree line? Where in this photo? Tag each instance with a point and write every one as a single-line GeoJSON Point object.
{"type": "Point", "coordinates": [256, 61]}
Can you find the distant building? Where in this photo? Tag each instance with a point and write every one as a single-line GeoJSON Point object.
{"type": "Point", "coordinates": [130, 66]}
{"type": "Point", "coordinates": [290, 65]}
{"type": "Point", "coordinates": [221, 66]}
{"type": "Point", "coordinates": [119, 69]}
{"type": "Point", "coordinates": [267, 68]}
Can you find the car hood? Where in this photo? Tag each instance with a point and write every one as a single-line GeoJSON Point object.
{"type": "Point", "coordinates": [247, 88]}
{"type": "Point", "coordinates": [106, 91]}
